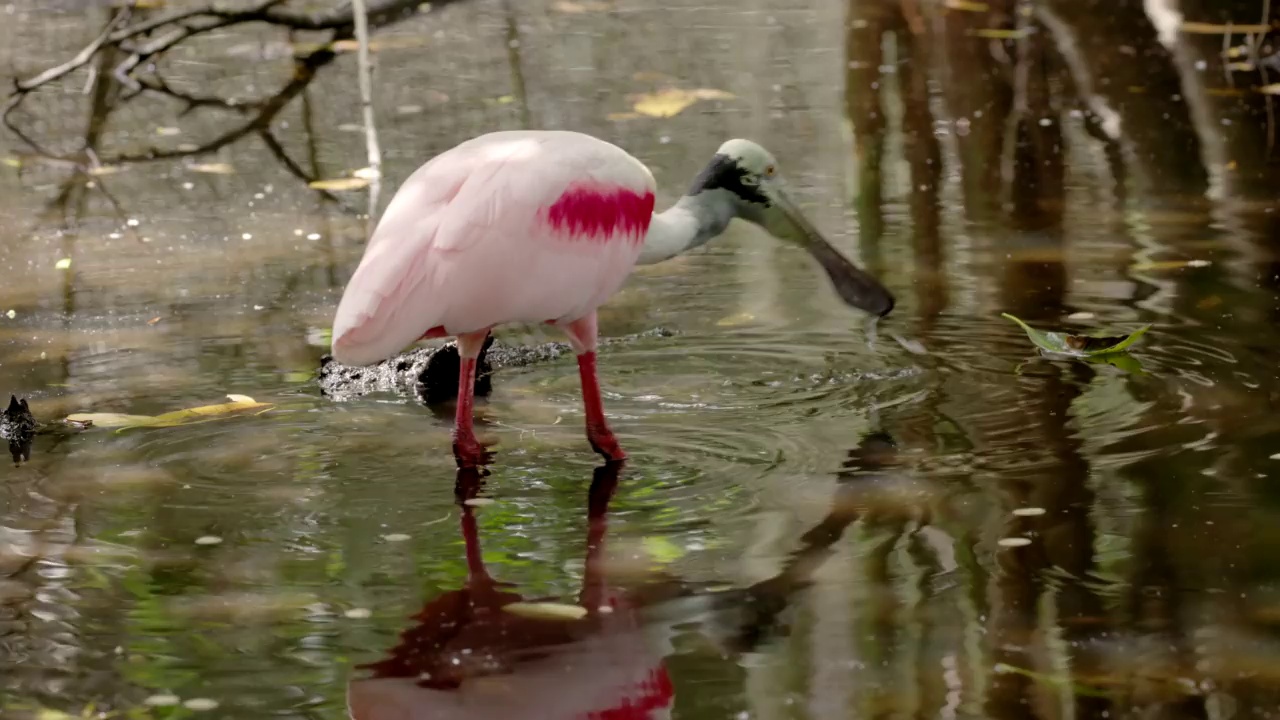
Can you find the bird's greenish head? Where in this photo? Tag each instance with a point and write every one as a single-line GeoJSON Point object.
{"type": "Point", "coordinates": [747, 176]}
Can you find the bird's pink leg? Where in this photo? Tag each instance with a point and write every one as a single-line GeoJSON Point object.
{"type": "Point", "coordinates": [466, 448]}
{"type": "Point", "coordinates": [582, 336]}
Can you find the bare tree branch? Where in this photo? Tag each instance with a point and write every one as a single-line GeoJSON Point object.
{"type": "Point", "coordinates": [304, 72]}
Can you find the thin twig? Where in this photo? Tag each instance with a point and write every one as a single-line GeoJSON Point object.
{"type": "Point", "coordinates": [158, 85]}
{"type": "Point", "coordinates": [277, 149]}
{"type": "Point", "coordinates": [80, 59]}
{"type": "Point", "coordinates": [366, 101]}
{"type": "Point", "coordinates": [304, 73]}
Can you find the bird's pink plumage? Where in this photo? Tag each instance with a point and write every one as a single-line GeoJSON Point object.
{"type": "Point", "coordinates": [514, 226]}
{"type": "Point", "coordinates": [601, 213]}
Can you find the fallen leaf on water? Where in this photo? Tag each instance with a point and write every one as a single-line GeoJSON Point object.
{"type": "Point", "coordinates": [391, 43]}
{"type": "Point", "coordinates": [1078, 345]}
{"type": "Point", "coordinates": [1123, 361]}
{"type": "Point", "coordinates": [673, 101]}
{"type": "Point", "coordinates": [1204, 28]}
{"type": "Point", "coordinates": [168, 131]}
{"type": "Point", "coordinates": [501, 100]}
{"type": "Point", "coordinates": [1012, 542]}
{"type": "Point", "coordinates": [108, 419]}
{"type": "Point", "coordinates": [339, 184]}
{"type": "Point", "coordinates": [1000, 33]}
{"type": "Point", "coordinates": [546, 610]}
{"type": "Point", "coordinates": [577, 8]}
{"type": "Point", "coordinates": [100, 170]}
{"type": "Point", "coordinates": [735, 320]}
{"type": "Point", "coordinates": [162, 700]}
{"type": "Point", "coordinates": [63, 264]}
{"type": "Point", "coordinates": [966, 6]}
{"type": "Point", "coordinates": [154, 320]}
{"type": "Point", "coordinates": [1272, 89]}
{"type": "Point", "coordinates": [622, 116]}
{"type": "Point", "coordinates": [662, 550]}
{"type": "Point", "coordinates": [208, 540]}
{"type": "Point", "coordinates": [1169, 264]}
{"type": "Point", "coordinates": [212, 168]}
{"type": "Point", "coordinates": [169, 419]}
{"type": "Point", "coordinates": [12, 162]}
{"type": "Point", "coordinates": [1242, 66]}
{"type": "Point", "coordinates": [11, 314]}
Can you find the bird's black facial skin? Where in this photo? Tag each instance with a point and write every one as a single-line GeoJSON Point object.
{"type": "Point", "coordinates": [723, 172]}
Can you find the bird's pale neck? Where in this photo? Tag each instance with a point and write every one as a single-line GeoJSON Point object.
{"type": "Point", "coordinates": [688, 224]}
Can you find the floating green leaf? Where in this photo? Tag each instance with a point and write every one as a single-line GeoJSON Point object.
{"type": "Point", "coordinates": [1079, 345]}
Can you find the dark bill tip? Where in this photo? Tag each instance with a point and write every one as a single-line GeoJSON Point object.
{"type": "Point", "coordinates": [855, 286]}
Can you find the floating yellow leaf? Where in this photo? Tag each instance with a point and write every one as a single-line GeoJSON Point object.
{"type": "Point", "coordinates": [212, 168]}
{"type": "Point", "coordinates": [672, 101]}
{"type": "Point", "coordinates": [169, 419]}
{"type": "Point", "coordinates": [501, 100]}
{"type": "Point", "coordinates": [339, 184]}
{"type": "Point", "coordinates": [12, 162]}
{"type": "Point", "coordinates": [1169, 264]}
{"type": "Point", "coordinates": [1203, 28]}
{"type": "Point", "coordinates": [168, 131]}
{"type": "Point", "coordinates": [966, 6]}
{"type": "Point", "coordinates": [735, 320]}
{"type": "Point", "coordinates": [100, 170]}
{"type": "Point", "coordinates": [577, 8]}
{"type": "Point", "coordinates": [546, 610]}
{"type": "Point", "coordinates": [110, 419]}
{"type": "Point", "coordinates": [63, 264]}
{"type": "Point", "coordinates": [1272, 89]}
{"type": "Point", "coordinates": [1242, 66]}
{"type": "Point", "coordinates": [392, 43]}
{"type": "Point", "coordinates": [623, 116]}
{"type": "Point", "coordinates": [1000, 34]}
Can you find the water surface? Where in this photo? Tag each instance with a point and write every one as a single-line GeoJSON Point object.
{"type": "Point", "coordinates": [815, 521]}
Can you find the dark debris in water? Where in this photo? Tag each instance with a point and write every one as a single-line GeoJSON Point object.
{"type": "Point", "coordinates": [18, 426]}
{"type": "Point", "coordinates": [431, 373]}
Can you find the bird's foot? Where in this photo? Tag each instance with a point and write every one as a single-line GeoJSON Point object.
{"type": "Point", "coordinates": [470, 453]}
{"type": "Point", "coordinates": [603, 442]}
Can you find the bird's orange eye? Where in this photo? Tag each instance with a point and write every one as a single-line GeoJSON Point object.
{"type": "Point", "coordinates": [769, 171]}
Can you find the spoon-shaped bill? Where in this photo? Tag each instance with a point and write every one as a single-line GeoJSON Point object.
{"type": "Point", "coordinates": [855, 286]}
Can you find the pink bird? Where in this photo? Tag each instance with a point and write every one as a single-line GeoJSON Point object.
{"type": "Point", "coordinates": [543, 227]}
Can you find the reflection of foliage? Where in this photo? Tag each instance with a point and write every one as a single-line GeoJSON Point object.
{"type": "Point", "coordinates": [128, 57]}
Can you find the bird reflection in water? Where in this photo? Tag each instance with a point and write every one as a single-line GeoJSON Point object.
{"type": "Point", "coordinates": [468, 656]}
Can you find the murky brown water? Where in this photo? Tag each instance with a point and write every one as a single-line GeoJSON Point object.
{"type": "Point", "coordinates": [816, 519]}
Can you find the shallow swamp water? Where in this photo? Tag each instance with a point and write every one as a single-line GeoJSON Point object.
{"type": "Point", "coordinates": [822, 516]}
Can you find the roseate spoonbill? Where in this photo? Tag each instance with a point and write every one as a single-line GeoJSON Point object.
{"type": "Point", "coordinates": [544, 226]}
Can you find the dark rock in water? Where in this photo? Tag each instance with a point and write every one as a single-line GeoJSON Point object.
{"type": "Point", "coordinates": [431, 373]}
{"type": "Point", "coordinates": [18, 426]}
